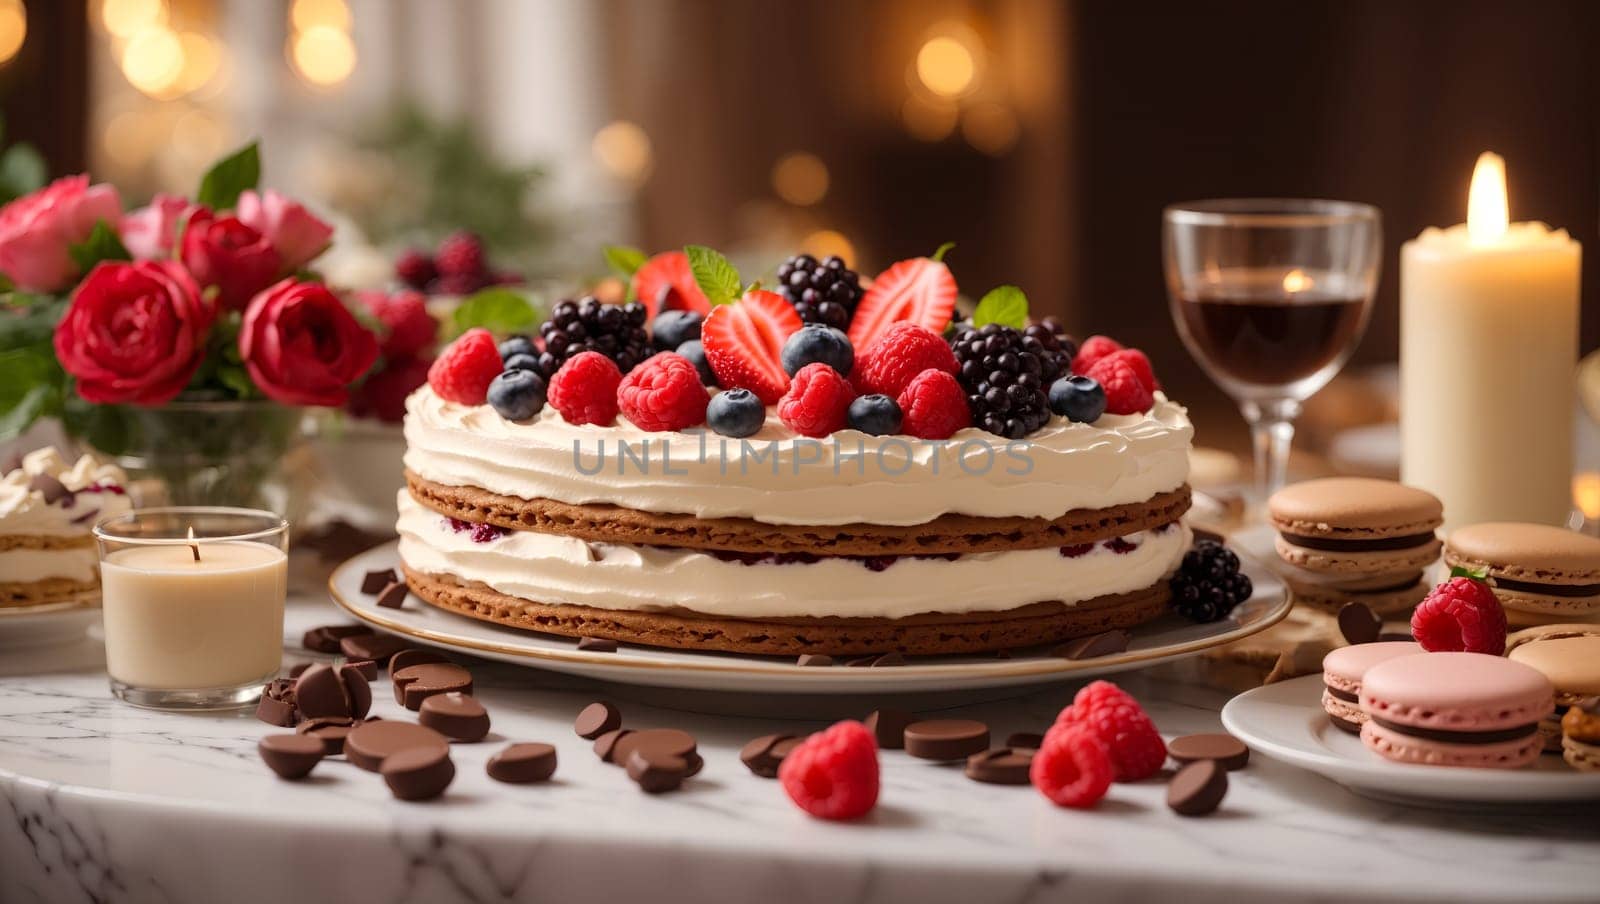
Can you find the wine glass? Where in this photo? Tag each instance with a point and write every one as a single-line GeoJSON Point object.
{"type": "Point", "coordinates": [1271, 295]}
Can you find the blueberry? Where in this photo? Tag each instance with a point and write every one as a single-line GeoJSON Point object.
{"type": "Point", "coordinates": [696, 353]}
{"type": "Point", "coordinates": [516, 345]}
{"type": "Point", "coordinates": [517, 394]}
{"type": "Point", "coordinates": [736, 412]}
{"type": "Point", "coordinates": [673, 328]}
{"type": "Point", "coordinates": [877, 415]}
{"type": "Point", "coordinates": [520, 361]}
{"type": "Point", "coordinates": [817, 342]}
{"type": "Point", "coordinates": [1078, 399]}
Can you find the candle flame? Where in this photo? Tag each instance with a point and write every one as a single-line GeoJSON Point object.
{"type": "Point", "coordinates": [1487, 211]}
{"type": "Point", "coordinates": [1296, 280]}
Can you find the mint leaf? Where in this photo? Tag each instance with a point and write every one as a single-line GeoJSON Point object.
{"type": "Point", "coordinates": [1005, 305]}
{"type": "Point", "coordinates": [103, 244]}
{"type": "Point", "coordinates": [624, 259]}
{"type": "Point", "coordinates": [941, 251]}
{"type": "Point", "coordinates": [230, 177]}
{"type": "Point", "coordinates": [1477, 574]}
{"type": "Point", "coordinates": [498, 310]}
{"type": "Point", "coordinates": [716, 276]}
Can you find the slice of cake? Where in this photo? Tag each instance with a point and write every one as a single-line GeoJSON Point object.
{"type": "Point", "coordinates": [47, 509]}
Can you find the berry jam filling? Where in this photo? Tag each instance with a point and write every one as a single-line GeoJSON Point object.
{"type": "Point", "coordinates": [1121, 546]}
{"type": "Point", "coordinates": [1076, 550]}
{"type": "Point", "coordinates": [872, 563]}
{"type": "Point", "coordinates": [104, 487]}
{"type": "Point", "coordinates": [480, 533]}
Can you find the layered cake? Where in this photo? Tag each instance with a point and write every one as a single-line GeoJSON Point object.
{"type": "Point", "coordinates": [47, 509]}
{"type": "Point", "coordinates": [751, 478]}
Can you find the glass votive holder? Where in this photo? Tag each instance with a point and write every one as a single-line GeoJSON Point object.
{"type": "Point", "coordinates": [192, 600]}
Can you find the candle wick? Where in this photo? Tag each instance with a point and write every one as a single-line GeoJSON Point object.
{"type": "Point", "coordinates": [193, 546]}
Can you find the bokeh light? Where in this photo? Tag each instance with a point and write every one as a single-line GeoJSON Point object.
{"type": "Point", "coordinates": [202, 57]}
{"type": "Point", "coordinates": [305, 15]}
{"type": "Point", "coordinates": [947, 66]}
{"type": "Point", "coordinates": [929, 120]}
{"type": "Point", "coordinates": [624, 150]}
{"type": "Point", "coordinates": [126, 18]}
{"type": "Point", "coordinates": [152, 61]}
{"type": "Point", "coordinates": [824, 242]}
{"type": "Point", "coordinates": [991, 128]}
{"type": "Point", "coordinates": [800, 178]}
{"type": "Point", "coordinates": [323, 55]}
{"type": "Point", "coordinates": [13, 28]}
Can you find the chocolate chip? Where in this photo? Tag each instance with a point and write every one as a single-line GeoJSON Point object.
{"type": "Point", "coordinates": [416, 683]}
{"type": "Point", "coordinates": [418, 773]}
{"type": "Point", "coordinates": [325, 639]}
{"type": "Point", "coordinates": [665, 741]}
{"type": "Point", "coordinates": [1000, 766]}
{"type": "Point", "coordinates": [656, 772]}
{"type": "Point", "coordinates": [596, 719]}
{"type": "Point", "coordinates": [597, 645]}
{"type": "Point", "coordinates": [946, 739]}
{"type": "Point", "coordinates": [765, 754]}
{"type": "Point", "coordinates": [320, 692]}
{"type": "Point", "coordinates": [522, 764]}
{"type": "Point", "coordinates": [357, 690]}
{"type": "Point", "coordinates": [1105, 643]}
{"type": "Point", "coordinates": [292, 756]}
{"type": "Point", "coordinates": [374, 740]}
{"type": "Point", "coordinates": [331, 731]}
{"type": "Point", "coordinates": [366, 667]}
{"type": "Point", "coordinates": [1198, 788]}
{"type": "Point", "coordinates": [296, 670]}
{"type": "Point", "coordinates": [50, 488]}
{"type": "Point", "coordinates": [888, 727]}
{"type": "Point", "coordinates": [1027, 740]}
{"type": "Point", "coordinates": [413, 656]}
{"type": "Point", "coordinates": [375, 581]}
{"type": "Point", "coordinates": [814, 659]}
{"type": "Point", "coordinates": [605, 746]}
{"type": "Point", "coordinates": [456, 716]}
{"type": "Point", "coordinates": [376, 647]}
{"type": "Point", "coordinates": [1226, 749]}
{"type": "Point", "coordinates": [1358, 623]}
{"type": "Point", "coordinates": [393, 596]}
{"type": "Point", "coordinates": [276, 711]}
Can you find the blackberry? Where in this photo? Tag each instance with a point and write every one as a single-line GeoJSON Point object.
{"type": "Point", "coordinates": [1208, 584]}
{"type": "Point", "coordinates": [586, 325]}
{"type": "Point", "coordinates": [1003, 372]}
{"type": "Point", "coordinates": [823, 292]}
{"type": "Point", "coordinates": [1056, 348]}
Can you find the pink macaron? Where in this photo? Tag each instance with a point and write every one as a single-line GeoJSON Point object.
{"type": "Point", "coordinates": [1342, 671]}
{"type": "Point", "coordinates": [1455, 709]}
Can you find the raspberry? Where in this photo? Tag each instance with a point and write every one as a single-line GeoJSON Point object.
{"type": "Point", "coordinates": [904, 350]}
{"type": "Point", "coordinates": [1093, 349]}
{"type": "Point", "coordinates": [1071, 767]}
{"type": "Point", "coordinates": [1135, 747]}
{"type": "Point", "coordinates": [415, 268]}
{"type": "Point", "coordinates": [1140, 364]}
{"type": "Point", "coordinates": [934, 406]}
{"type": "Point", "coordinates": [817, 402]}
{"type": "Point", "coordinates": [460, 255]}
{"type": "Point", "coordinates": [663, 393]}
{"type": "Point", "coordinates": [1126, 392]}
{"type": "Point", "coordinates": [463, 371]}
{"type": "Point", "coordinates": [1095, 694]}
{"type": "Point", "coordinates": [834, 773]}
{"type": "Point", "coordinates": [408, 327]}
{"type": "Point", "coordinates": [584, 390]}
{"type": "Point", "coordinates": [1461, 615]}
{"type": "Point", "coordinates": [383, 394]}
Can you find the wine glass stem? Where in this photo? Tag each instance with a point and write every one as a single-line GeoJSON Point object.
{"type": "Point", "coordinates": [1271, 432]}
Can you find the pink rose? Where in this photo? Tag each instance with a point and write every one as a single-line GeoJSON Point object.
{"type": "Point", "coordinates": [134, 332]}
{"type": "Point", "coordinates": [151, 232]}
{"type": "Point", "coordinates": [36, 230]}
{"type": "Point", "coordinates": [297, 235]}
{"type": "Point", "coordinates": [302, 347]}
{"type": "Point", "coordinates": [226, 253]}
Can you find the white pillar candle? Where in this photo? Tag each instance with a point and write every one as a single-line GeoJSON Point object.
{"type": "Point", "coordinates": [1488, 356]}
{"type": "Point", "coordinates": [175, 623]}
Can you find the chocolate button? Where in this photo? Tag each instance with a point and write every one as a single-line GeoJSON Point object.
{"type": "Point", "coordinates": [292, 756]}
{"type": "Point", "coordinates": [765, 754]}
{"type": "Point", "coordinates": [367, 668]}
{"type": "Point", "coordinates": [664, 741]}
{"type": "Point", "coordinates": [373, 741]}
{"type": "Point", "coordinates": [326, 638]}
{"type": "Point", "coordinates": [656, 771]}
{"type": "Point", "coordinates": [1227, 750]}
{"type": "Point", "coordinates": [331, 732]}
{"type": "Point", "coordinates": [357, 690]}
{"type": "Point", "coordinates": [456, 716]}
{"type": "Point", "coordinates": [605, 746]}
{"type": "Point", "coordinates": [888, 727]}
{"type": "Point", "coordinates": [521, 764]}
{"type": "Point", "coordinates": [1001, 766]}
{"type": "Point", "coordinates": [1359, 624]}
{"type": "Point", "coordinates": [946, 739]}
{"type": "Point", "coordinates": [1026, 740]}
{"type": "Point", "coordinates": [413, 656]}
{"type": "Point", "coordinates": [320, 692]}
{"type": "Point", "coordinates": [1198, 788]}
{"type": "Point", "coordinates": [374, 581]}
{"type": "Point", "coordinates": [597, 719]}
{"type": "Point", "coordinates": [376, 647]}
{"type": "Point", "coordinates": [416, 683]}
{"type": "Point", "coordinates": [276, 707]}
{"type": "Point", "coordinates": [418, 773]}
{"type": "Point", "coordinates": [393, 596]}
{"type": "Point", "coordinates": [296, 670]}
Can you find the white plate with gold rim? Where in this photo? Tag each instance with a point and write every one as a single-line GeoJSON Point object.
{"type": "Point", "coordinates": [1165, 639]}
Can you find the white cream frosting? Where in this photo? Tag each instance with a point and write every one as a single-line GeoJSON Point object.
{"type": "Point", "coordinates": [779, 477]}
{"type": "Point", "coordinates": [23, 510]}
{"type": "Point", "coordinates": [551, 568]}
{"type": "Point", "coordinates": [29, 565]}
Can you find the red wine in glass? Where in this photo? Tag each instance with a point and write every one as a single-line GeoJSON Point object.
{"type": "Point", "coordinates": [1271, 338]}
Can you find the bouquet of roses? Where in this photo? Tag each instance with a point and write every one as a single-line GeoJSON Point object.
{"type": "Point", "coordinates": [202, 299]}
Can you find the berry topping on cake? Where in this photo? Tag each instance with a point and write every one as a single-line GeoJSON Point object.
{"type": "Point", "coordinates": [1461, 615]}
{"type": "Point", "coordinates": [1071, 767]}
{"type": "Point", "coordinates": [823, 291]}
{"type": "Point", "coordinates": [920, 290]}
{"type": "Point", "coordinates": [408, 328]}
{"type": "Point", "coordinates": [1208, 584]}
{"type": "Point", "coordinates": [1140, 364]}
{"type": "Point", "coordinates": [460, 255]}
{"type": "Point", "coordinates": [586, 325]}
{"type": "Point", "coordinates": [664, 283]}
{"type": "Point", "coordinates": [1078, 399]}
{"type": "Point", "coordinates": [934, 406]}
{"type": "Point", "coordinates": [817, 400]}
{"type": "Point", "coordinates": [1093, 349]}
{"type": "Point", "coordinates": [834, 773]}
{"type": "Point", "coordinates": [663, 393]}
{"type": "Point", "coordinates": [1057, 345]}
{"type": "Point", "coordinates": [875, 414]}
{"type": "Point", "coordinates": [517, 395]}
{"type": "Point", "coordinates": [1126, 392]}
{"type": "Point", "coordinates": [695, 351]}
{"type": "Point", "coordinates": [463, 371]}
{"type": "Point", "coordinates": [584, 390]}
{"type": "Point", "coordinates": [512, 346]}
{"type": "Point", "coordinates": [744, 343]}
{"type": "Point", "coordinates": [1003, 373]}
{"type": "Point", "coordinates": [524, 362]}
{"type": "Point", "coordinates": [671, 329]}
{"type": "Point", "coordinates": [736, 413]}
{"type": "Point", "coordinates": [815, 343]}
{"type": "Point", "coordinates": [1112, 715]}
{"type": "Point", "coordinates": [415, 268]}
{"type": "Point", "coordinates": [900, 353]}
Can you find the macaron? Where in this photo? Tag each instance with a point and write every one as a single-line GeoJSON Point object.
{"type": "Point", "coordinates": [1356, 539]}
{"type": "Point", "coordinates": [1540, 573]}
{"type": "Point", "coordinates": [1568, 655]}
{"type": "Point", "coordinates": [1342, 671]}
{"type": "Point", "coordinates": [1580, 742]}
{"type": "Point", "coordinates": [1455, 709]}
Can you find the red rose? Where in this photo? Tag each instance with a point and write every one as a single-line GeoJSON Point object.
{"type": "Point", "coordinates": [302, 347]}
{"type": "Point", "coordinates": [224, 252]}
{"type": "Point", "coordinates": [134, 332]}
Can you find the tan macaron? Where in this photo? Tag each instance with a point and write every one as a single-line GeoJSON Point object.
{"type": "Point", "coordinates": [1356, 539]}
{"type": "Point", "coordinates": [1544, 571]}
{"type": "Point", "coordinates": [1569, 655]}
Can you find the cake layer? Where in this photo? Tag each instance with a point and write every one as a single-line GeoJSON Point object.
{"type": "Point", "coordinates": [777, 477]}
{"type": "Point", "coordinates": [565, 570]}
{"type": "Point", "coordinates": [27, 565]}
{"type": "Point", "coordinates": [16, 594]}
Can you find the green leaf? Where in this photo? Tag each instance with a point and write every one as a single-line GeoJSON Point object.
{"type": "Point", "coordinates": [1005, 305]}
{"type": "Point", "coordinates": [108, 428]}
{"type": "Point", "coordinates": [498, 310]}
{"type": "Point", "coordinates": [230, 177]}
{"type": "Point", "coordinates": [942, 250]}
{"type": "Point", "coordinates": [716, 276]}
{"type": "Point", "coordinates": [624, 259]}
{"type": "Point", "coordinates": [29, 321]}
{"type": "Point", "coordinates": [1477, 574]}
{"type": "Point", "coordinates": [237, 380]}
{"type": "Point", "coordinates": [103, 244]}
{"type": "Point", "coordinates": [22, 170]}
{"type": "Point", "coordinates": [30, 388]}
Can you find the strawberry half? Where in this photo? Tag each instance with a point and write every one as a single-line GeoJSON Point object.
{"type": "Point", "coordinates": [665, 283]}
{"type": "Point", "coordinates": [743, 342]}
{"type": "Point", "coordinates": [920, 290]}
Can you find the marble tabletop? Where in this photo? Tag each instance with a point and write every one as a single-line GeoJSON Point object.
{"type": "Point", "coordinates": [103, 802]}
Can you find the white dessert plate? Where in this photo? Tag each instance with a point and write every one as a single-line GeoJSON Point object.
{"type": "Point", "coordinates": [1168, 638]}
{"type": "Point", "coordinates": [45, 624]}
{"type": "Point", "coordinates": [1285, 721]}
